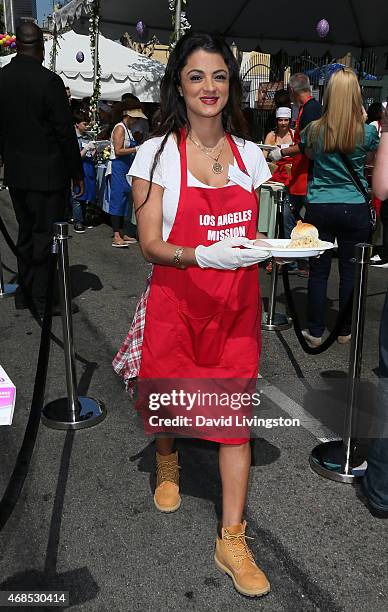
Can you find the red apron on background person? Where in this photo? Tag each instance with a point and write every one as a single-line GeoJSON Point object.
{"type": "Point", "coordinates": [205, 323]}
{"type": "Point", "coordinates": [300, 163]}
{"type": "Point", "coordinates": [280, 174]}
{"type": "Point", "coordinates": [376, 202]}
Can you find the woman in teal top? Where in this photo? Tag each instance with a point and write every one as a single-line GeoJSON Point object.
{"type": "Point", "coordinates": [331, 182]}
{"type": "Point", "coordinates": [334, 204]}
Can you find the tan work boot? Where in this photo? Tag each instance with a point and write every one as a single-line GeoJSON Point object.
{"type": "Point", "coordinates": [233, 557]}
{"type": "Point", "coordinates": [167, 498]}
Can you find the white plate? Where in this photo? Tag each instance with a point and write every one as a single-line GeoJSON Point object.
{"type": "Point", "coordinates": [265, 147]}
{"type": "Point", "coordinates": [276, 247]}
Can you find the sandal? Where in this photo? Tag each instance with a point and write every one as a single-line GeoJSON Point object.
{"type": "Point", "coordinates": [129, 240]}
{"type": "Point", "coordinates": [119, 242]}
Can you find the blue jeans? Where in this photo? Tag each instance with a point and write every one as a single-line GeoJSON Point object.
{"type": "Point", "coordinates": [78, 211]}
{"type": "Point", "coordinates": [350, 224]}
{"type": "Point", "coordinates": [375, 481]}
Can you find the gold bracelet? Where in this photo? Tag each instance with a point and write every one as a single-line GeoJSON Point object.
{"type": "Point", "coordinates": [177, 258]}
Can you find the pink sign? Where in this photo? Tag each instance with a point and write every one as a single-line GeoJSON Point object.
{"type": "Point", "coordinates": [7, 398]}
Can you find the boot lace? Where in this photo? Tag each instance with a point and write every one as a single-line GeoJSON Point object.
{"type": "Point", "coordinates": [237, 542]}
{"type": "Point", "coordinates": [167, 470]}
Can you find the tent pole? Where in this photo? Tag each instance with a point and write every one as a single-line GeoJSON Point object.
{"type": "Point", "coordinates": [178, 12]}
{"type": "Point", "coordinates": [96, 57]}
{"type": "Point", "coordinates": [55, 51]}
{"type": "Point", "coordinates": [95, 63]}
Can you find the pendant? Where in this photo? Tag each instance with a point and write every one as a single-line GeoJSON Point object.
{"type": "Point", "coordinates": [218, 168]}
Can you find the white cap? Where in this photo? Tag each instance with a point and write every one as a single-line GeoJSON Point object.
{"type": "Point", "coordinates": [283, 113]}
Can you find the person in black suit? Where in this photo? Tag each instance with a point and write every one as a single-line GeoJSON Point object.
{"type": "Point", "coordinates": [41, 157]}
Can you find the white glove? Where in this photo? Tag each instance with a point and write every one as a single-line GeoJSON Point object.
{"type": "Point", "coordinates": [275, 155]}
{"type": "Point", "coordinates": [222, 256]}
{"type": "Point", "coordinates": [90, 146]}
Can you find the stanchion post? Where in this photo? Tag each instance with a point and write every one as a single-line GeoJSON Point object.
{"type": "Point", "coordinates": [363, 254]}
{"type": "Point", "coordinates": [71, 412]}
{"type": "Point", "coordinates": [339, 454]}
{"type": "Point", "coordinates": [271, 314]}
{"type": "Point", "coordinates": [6, 290]}
{"type": "Point", "coordinates": [61, 236]}
{"type": "Point", "coordinates": [272, 320]}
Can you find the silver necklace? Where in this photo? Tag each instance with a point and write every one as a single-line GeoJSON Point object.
{"type": "Point", "coordinates": [217, 167]}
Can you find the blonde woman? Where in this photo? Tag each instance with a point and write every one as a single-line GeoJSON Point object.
{"type": "Point", "coordinates": [334, 203]}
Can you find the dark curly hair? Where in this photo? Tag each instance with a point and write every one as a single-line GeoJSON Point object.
{"type": "Point", "coordinates": [375, 111]}
{"type": "Point", "coordinates": [173, 114]}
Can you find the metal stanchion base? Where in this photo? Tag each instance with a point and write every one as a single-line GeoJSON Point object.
{"type": "Point", "coordinates": [9, 290]}
{"type": "Point", "coordinates": [56, 414]}
{"type": "Point", "coordinates": [327, 460]}
{"type": "Point", "coordinates": [280, 322]}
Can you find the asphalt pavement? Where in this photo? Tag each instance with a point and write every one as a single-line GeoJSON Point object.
{"type": "Point", "coordinates": [85, 521]}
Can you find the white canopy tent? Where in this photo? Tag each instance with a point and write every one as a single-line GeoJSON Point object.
{"type": "Point", "coordinates": [122, 70]}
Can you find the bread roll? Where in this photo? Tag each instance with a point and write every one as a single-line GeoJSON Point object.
{"type": "Point", "coordinates": [304, 230]}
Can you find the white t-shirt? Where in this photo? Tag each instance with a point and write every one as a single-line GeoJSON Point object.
{"type": "Point", "coordinates": [168, 172]}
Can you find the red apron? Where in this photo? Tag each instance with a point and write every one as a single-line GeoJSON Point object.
{"type": "Point", "coordinates": [280, 174]}
{"type": "Point", "coordinates": [376, 202]}
{"type": "Point", "coordinates": [205, 323]}
{"type": "Point", "coordinates": [300, 163]}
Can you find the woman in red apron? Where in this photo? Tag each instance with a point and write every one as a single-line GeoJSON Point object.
{"type": "Point", "coordinates": [300, 163]}
{"type": "Point", "coordinates": [202, 322]}
{"type": "Point", "coordinates": [282, 136]}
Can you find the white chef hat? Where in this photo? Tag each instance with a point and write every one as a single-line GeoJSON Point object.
{"type": "Point", "coordinates": [283, 113]}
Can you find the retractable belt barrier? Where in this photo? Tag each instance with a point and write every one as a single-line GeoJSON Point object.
{"type": "Point", "coordinates": [20, 472]}
{"type": "Point", "coordinates": [276, 322]}
{"type": "Point", "coordinates": [273, 321]}
{"type": "Point", "coordinates": [297, 328]}
{"type": "Point", "coordinates": [335, 459]}
{"type": "Point", "coordinates": [71, 412]}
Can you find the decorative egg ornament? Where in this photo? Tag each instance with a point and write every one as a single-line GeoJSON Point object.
{"type": "Point", "coordinates": [141, 28]}
{"type": "Point", "coordinates": [323, 28]}
{"type": "Point", "coordinates": [80, 57]}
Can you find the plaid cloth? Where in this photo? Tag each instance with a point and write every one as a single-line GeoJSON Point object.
{"type": "Point", "coordinates": [128, 359]}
